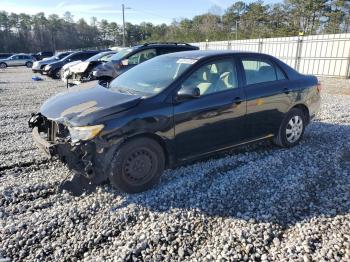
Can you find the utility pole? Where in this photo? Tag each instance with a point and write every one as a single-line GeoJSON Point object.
{"type": "Point", "coordinates": [236, 29]}
{"type": "Point", "coordinates": [123, 26]}
{"type": "Point", "coordinates": [123, 10]}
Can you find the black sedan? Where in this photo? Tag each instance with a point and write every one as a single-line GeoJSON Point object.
{"type": "Point", "coordinates": [174, 108]}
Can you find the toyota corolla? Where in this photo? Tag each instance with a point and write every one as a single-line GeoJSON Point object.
{"type": "Point", "coordinates": [171, 109]}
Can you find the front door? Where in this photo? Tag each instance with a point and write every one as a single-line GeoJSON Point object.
{"type": "Point", "coordinates": [215, 119]}
{"type": "Point", "coordinates": [14, 61]}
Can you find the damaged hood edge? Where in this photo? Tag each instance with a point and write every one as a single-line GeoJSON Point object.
{"type": "Point", "coordinates": [85, 106]}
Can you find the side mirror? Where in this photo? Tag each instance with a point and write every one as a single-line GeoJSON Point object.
{"type": "Point", "coordinates": [124, 62]}
{"type": "Point", "coordinates": [188, 93]}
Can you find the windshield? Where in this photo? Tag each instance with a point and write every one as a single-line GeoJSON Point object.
{"type": "Point", "coordinates": [121, 54]}
{"type": "Point", "coordinates": [152, 76]}
{"type": "Point", "coordinates": [61, 55]}
{"type": "Point", "coordinates": [96, 57]}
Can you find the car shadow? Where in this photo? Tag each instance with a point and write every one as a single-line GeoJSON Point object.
{"type": "Point", "coordinates": [262, 182]}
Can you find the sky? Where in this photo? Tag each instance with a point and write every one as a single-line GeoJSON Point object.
{"type": "Point", "coordinates": [154, 11]}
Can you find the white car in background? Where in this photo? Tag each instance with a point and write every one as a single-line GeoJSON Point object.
{"type": "Point", "coordinates": [81, 72]}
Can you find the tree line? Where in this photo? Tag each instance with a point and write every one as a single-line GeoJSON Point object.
{"type": "Point", "coordinates": [31, 33]}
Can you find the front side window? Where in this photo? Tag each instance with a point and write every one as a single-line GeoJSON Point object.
{"type": "Point", "coordinates": [214, 77]}
{"type": "Point", "coordinates": [260, 71]}
{"type": "Point", "coordinates": [141, 56]}
{"type": "Point", "coordinates": [152, 76]}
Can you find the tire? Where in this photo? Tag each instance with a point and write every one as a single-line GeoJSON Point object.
{"type": "Point", "coordinates": [56, 74]}
{"type": "Point", "coordinates": [104, 81]}
{"type": "Point", "coordinates": [137, 165]}
{"type": "Point", "coordinates": [3, 65]}
{"type": "Point", "coordinates": [29, 64]}
{"type": "Point", "coordinates": [292, 129]}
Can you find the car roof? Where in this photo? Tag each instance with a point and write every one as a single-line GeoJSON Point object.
{"type": "Point", "coordinates": [201, 54]}
{"type": "Point", "coordinates": [166, 44]}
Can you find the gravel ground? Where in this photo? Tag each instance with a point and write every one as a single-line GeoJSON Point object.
{"type": "Point", "coordinates": [258, 203]}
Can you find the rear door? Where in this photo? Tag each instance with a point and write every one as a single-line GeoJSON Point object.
{"type": "Point", "coordinates": [267, 94]}
{"type": "Point", "coordinates": [215, 120]}
{"type": "Point", "coordinates": [22, 60]}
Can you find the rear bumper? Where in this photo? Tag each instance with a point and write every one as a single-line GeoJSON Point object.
{"type": "Point", "coordinates": [46, 147]}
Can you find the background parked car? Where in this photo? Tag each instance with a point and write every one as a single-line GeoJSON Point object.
{"type": "Point", "coordinates": [5, 55]}
{"type": "Point", "coordinates": [38, 66]}
{"type": "Point", "coordinates": [17, 60]}
{"type": "Point", "coordinates": [82, 71]}
{"type": "Point", "coordinates": [129, 57]}
{"type": "Point", "coordinates": [41, 55]}
{"type": "Point", "coordinates": [54, 69]}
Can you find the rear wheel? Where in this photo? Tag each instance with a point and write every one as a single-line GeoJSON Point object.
{"type": "Point", "coordinates": [137, 165]}
{"type": "Point", "coordinates": [29, 64]}
{"type": "Point", "coordinates": [292, 129]}
{"type": "Point", "coordinates": [3, 65]}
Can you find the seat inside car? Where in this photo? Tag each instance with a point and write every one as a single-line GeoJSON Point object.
{"type": "Point", "coordinates": [227, 76]}
{"type": "Point", "coordinates": [205, 79]}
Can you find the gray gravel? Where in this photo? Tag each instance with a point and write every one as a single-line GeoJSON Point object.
{"type": "Point", "coordinates": [255, 203]}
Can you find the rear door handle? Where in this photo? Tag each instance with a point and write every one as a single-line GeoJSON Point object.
{"type": "Point", "coordinates": [286, 90]}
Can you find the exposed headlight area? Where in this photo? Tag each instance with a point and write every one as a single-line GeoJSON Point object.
{"type": "Point", "coordinates": [47, 67]}
{"type": "Point", "coordinates": [84, 133]}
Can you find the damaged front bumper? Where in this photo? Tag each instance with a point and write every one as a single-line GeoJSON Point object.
{"type": "Point", "coordinates": [86, 158]}
{"type": "Point", "coordinates": [49, 149]}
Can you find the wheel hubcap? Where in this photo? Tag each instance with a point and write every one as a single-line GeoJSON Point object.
{"type": "Point", "coordinates": [294, 129]}
{"type": "Point", "coordinates": [139, 166]}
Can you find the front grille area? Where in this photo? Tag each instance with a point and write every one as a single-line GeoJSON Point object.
{"type": "Point", "coordinates": [55, 131]}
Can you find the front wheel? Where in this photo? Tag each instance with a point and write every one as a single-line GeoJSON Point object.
{"type": "Point", "coordinates": [3, 65]}
{"type": "Point", "coordinates": [29, 64]}
{"type": "Point", "coordinates": [137, 165]}
{"type": "Point", "coordinates": [56, 74]}
{"type": "Point", "coordinates": [292, 129]}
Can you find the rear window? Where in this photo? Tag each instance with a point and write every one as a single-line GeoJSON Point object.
{"type": "Point", "coordinates": [260, 71]}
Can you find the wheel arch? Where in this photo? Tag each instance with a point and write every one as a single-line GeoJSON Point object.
{"type": "Point", "coordinates": [161, 141]}
{"type": "Point", "coordinates": [305, 110]}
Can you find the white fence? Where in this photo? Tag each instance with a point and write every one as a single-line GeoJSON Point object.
{"type": "Point", "coordinates": [326, 55]}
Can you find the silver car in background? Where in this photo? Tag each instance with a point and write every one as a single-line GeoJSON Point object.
{"type": "Point", "coordinates": [17, 60]}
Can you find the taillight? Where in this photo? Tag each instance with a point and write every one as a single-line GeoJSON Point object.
{"type": "Point", "coordinates": [319, 87]}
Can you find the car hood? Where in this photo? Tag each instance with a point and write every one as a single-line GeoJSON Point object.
{"type": "Point", "coordinates": [47, 61]}
{"type": "Point", "coordinates": [86, 104]}
{"type": "Point", "coordinates": [73, 63]}
{"type": "Point", "coordinates": [106, 69]}
{"type": "Point", "coordinates": [80, 67]}
{"type": "Point", "coordinates": [55, 64]}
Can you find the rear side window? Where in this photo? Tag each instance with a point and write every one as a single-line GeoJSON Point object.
{"type": "Point", "coordinates": [141, 56]}
{"type": "Point", "coordinates": [167, 50]}
{"type": "Point", "coordinates": [260, 71]}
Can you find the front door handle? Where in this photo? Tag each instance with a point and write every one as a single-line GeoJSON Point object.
{"type": "Point", "coordinates": [286, 90]}
{"type": "Point", "coordinates": [237, 100]}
